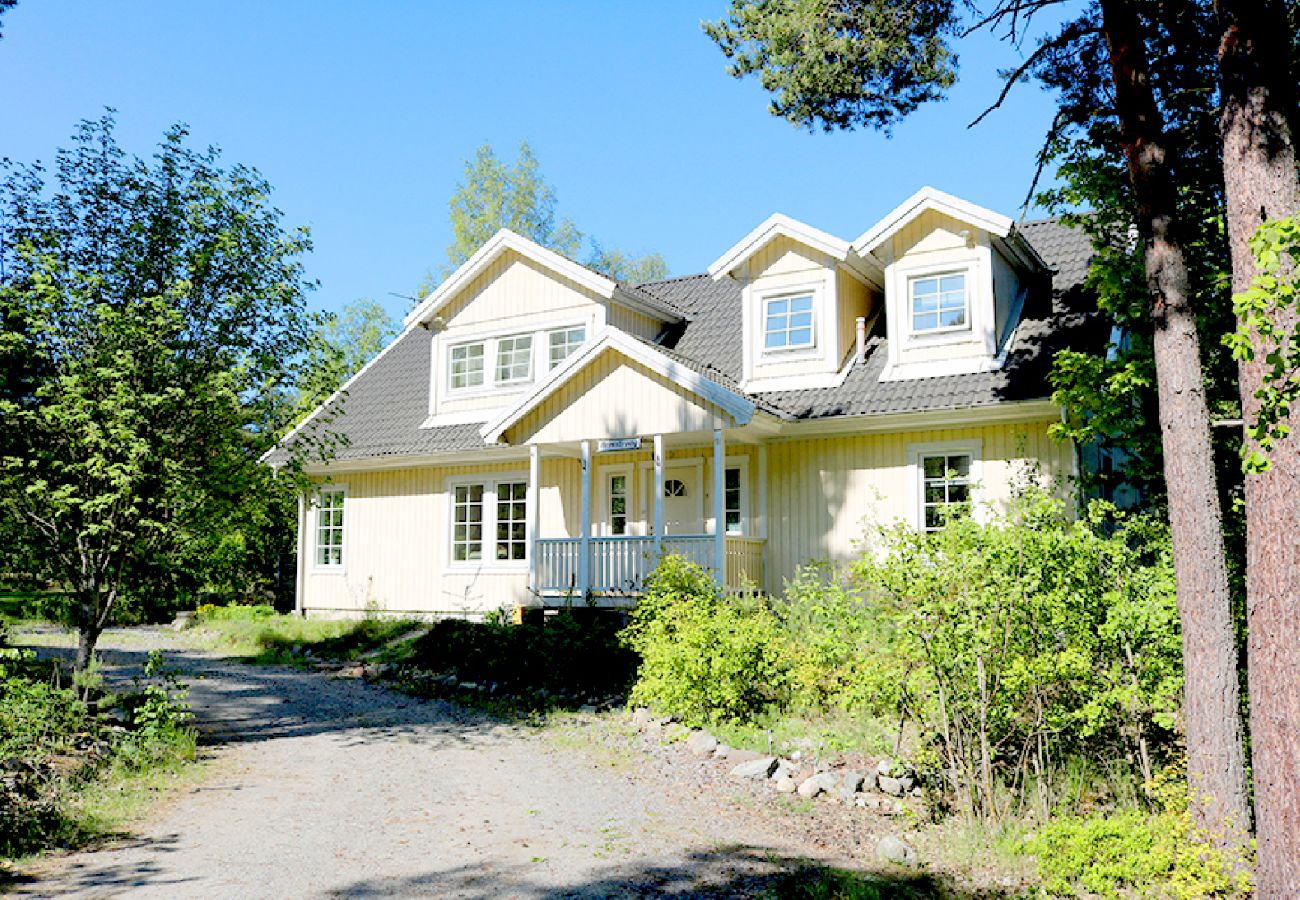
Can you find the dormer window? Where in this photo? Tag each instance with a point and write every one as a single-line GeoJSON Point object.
{"type": "Point", "coordinates": [788, 322]}
{"type": "Point", "coordinates": [939, 303]}
{"type": "Point", "coordinates": [467, 366]}
{"type": "Point", "coordinates": [564, 341]}
{"type": "Point", "coordinates": [514, 359]}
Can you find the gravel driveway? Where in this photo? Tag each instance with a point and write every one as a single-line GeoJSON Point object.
{"type": "Point", "coordinates": [324, 786]}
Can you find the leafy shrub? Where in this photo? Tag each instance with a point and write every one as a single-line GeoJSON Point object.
{"type": "Point", "coordinates": [705, 657]}
{"type": "Point", "coordinates": [211, 613]}
{"type": "Point", "coordinates": [1029, 637]}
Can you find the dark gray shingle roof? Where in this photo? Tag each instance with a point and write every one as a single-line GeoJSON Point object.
{"type": "Point", "coordinates": [382, 411]}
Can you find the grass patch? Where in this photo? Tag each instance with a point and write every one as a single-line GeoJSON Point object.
{"type": "Point", "coordinates": [261, 635]}
{"type": "Point", "coordinates": [820, 734]}
{"type": "Point", "coordinates": [817, 882]}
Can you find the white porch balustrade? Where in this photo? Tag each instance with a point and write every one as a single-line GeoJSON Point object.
{"type": "Point", "coordinates": [618, 565]}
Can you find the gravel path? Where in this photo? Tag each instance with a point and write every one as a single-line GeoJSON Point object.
{"type": "Point", "coordinates": [324, 786]}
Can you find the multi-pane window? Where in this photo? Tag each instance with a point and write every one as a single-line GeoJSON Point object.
{"type": "Point", "coordinates": [467, 523]}
{"type": "Point", "coordinates": [466, 366]}
{"type": "Point", "coordinates": [939, 303]}
{"type": "Point", "coordinates": [946, 488]}
{"type": "Point", "coordinates": [514, 358]}
{"type": "Point", "coordinates": [489, 522]}
{"type": "Point", "coordinates": [564, 341]}
{"type": "Point", "coordinates": [731, 501]}
{"type": "Point", "coordinates": [618, 504]}
{"type": "Point", "coordinates": [512, 517]}
{"type": "Point", "coordinates": [788, 322]}
{"type": "Point", "coordinates": [329, 526]}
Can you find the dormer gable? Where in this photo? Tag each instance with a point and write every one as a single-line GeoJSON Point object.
{"type": "Point", "coordinates": [802, 291]}
{"type": "Point", "coordinates": [956, 279]}
{"type": "Point", "coordinates": [509, 315]}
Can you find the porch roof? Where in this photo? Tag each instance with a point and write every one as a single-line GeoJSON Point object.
{"type": "Point", "coordinates": [616, 387]}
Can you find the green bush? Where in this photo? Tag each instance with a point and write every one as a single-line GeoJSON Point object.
{"type": "Point", "coordinates": [705, 657]}
{"type": "Point", "coordinates": [234, 613]}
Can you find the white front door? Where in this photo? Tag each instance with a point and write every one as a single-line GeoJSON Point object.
{"type": "Point", "coordinates": [683, 500]}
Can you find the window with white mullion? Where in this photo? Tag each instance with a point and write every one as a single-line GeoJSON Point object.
{"type": "Point", "coordinates": [564, 341]}
{"type": "Point", "coordinates": [939, 302]}
{"type": "Point", "coordinates": [618, 491]}
{"type": "Point", "coordinates": [466, 366]}
{"type": "Point", "coordinates": [511, 519]}
{"type": "Point", "coordinates": [467, 523]}
{"type": "Point", "coordinates": [329, 527]}
{"type": "Point", "coordinates": [733, 514]}
{"type": "Point", "coordinates": [946, 488]}
{"type": "Point", "coordinates": [514, 358]}
{"type": "Point", "coordinates": [788, 322]}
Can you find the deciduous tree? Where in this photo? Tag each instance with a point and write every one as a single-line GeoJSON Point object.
{"type": "Point", "coordinates": [147, 305]}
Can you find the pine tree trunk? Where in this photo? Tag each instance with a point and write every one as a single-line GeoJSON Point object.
{"type": "Point", "coordinates": [1215, 756]}
{"type": "Point", "coordinates": [1259, 165]}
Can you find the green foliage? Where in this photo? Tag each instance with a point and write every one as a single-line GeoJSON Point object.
{"type": "Point", "coordinates": [841, 65]}
{"type": "Point", "coordinates": [1131, 852]}
{"type": "Point", "coordinates": [1029, 636]}
{"type": "Point", "coordinates": [151, 309]}
{"type": "Point", "coordinates": [1269, 328]}
{"type": "Point", "coordinates": [705, 657]}
{"type": "Point", "coordinates": [158, 710]}
{"type": "Point", "coordinates": [337, 348]}
{"type": "Point", "coordinates": [234, 613]}
{"type": "Point", "coordinates": [494, 194]}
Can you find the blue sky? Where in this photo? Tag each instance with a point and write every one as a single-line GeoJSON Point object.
{"type": "Point", "coordinates": [361, 115]}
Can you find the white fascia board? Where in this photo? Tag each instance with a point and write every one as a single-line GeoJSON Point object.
{"type": "Point", "coordinates": [651, 306]}
{"type": "Point", "coordinates": [779, 225]}
{"type": "Point", "coordinates": [739, 408]}
{"type": "Point", "coordinates": [501, 242]}
{"type": "Point", "coordinates": [956, 417]}
{"type": "Point", "coordinates": [334, 396]}
{"type": "Point", "coordinates": [928, 198]}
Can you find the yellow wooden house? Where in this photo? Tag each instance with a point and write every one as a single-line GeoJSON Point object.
{"type": "Point", "coordinates": [539, 434]}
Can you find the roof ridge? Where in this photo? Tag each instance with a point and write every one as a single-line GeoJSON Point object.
{"type": "Point", "coordinates": [674, 279]}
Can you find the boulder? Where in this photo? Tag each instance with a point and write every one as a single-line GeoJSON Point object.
{"type": "Point", "coordinates": [817, 784]}
{"type": "Point", "coordinates": [675, 732]}
{"type": "Point", "coordinates": [784, 769]}
{"type": "Point", "coordinates": [892, 849]}
{"type": "Point", "coordinates": [755, 768]}
{"type": "Point", "coordinates": [701, 743]}
{"type": "Point", "coordinates": [896, 787]}
{"type": "Point", "coordinates": [850, 784]}
{"type": "Point", "coordinates": [785, 784]}
{"type": "Point", "coordinates": [737, 755]}
{"type": "Point", "coordinates": [641, 717]}
{"type": "Point", "coordinates": [722, 751]}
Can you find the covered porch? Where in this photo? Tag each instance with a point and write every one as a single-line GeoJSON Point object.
{"type": "Point", "coordinates": [642, 458]}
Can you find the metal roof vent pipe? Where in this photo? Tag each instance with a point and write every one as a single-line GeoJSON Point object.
{"type": "Point", "coordinates": [861, 323]}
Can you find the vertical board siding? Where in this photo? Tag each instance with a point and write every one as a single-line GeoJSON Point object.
{"type": "Point", "coordinates": [515, 290]}
{"type": "Point", "coordinates": [827, 496]}
{"type": "Point", "coordinates": [634, 322]}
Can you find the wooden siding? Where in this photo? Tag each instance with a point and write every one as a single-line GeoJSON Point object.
{"type": "Point", "coordinates": [824, 494]}
{"type": "Point", "coordinates": [612, 397]}
{"type": "Point", "coordinates": [634, 322]}
{"type": "Point", "coordinates": [515, 290]}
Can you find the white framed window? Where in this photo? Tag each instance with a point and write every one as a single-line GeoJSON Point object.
{"type": "Point", "coordinates": [489, 521]}
{"type": "Point", "coordinates": [788, 322]}
{"type": "Point", "coordinates": [939, 302]}
{"type": "Point", "coordinates": [512, 521]}
{"type": "Point", "coordinates": [467, 523]}
{"type": "Point", "coordinates": [514, 359]}
{"type": "Point", "coordinates": [619, 488]}
{"type": "Point", "coordinates": [329, 507]}
{"type": "Point", "coordinates": [733, 509]}
{"type": "Point", "coordinates": [466, 368]}
{"type": "Point", "coordinates": [945, 481]}
{"type": "Point", "coordinates": [563, 341]}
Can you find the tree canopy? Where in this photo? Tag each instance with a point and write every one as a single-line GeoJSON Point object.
{"type": "Point", "coordinates": [494, 194]}
{"type": "Point", "coordinates": [151, 310]}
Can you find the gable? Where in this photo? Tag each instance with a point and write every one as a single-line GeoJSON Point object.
{"type": "Point", "coordinates": [615, 396]}
{"type": "Point", "coordinates": [515, 288]}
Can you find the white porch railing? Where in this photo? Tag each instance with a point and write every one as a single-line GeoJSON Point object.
{"type": "Point", "coordinates": [619, 565]}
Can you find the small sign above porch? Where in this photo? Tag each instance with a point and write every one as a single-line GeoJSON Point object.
{"type": "Point", "coordinates": [611, 445]}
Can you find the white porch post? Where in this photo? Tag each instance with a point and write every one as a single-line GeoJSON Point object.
{"type": "Point", "coordinates": [531, 513]}
{"type": "Point", "coordinates": [584, 559]}
{"type": "Point", "coordinates": [659, 496]}
{"type": "Point", "coordinates": [300, 570]}
{"type": "Point", "coordinates": [719, 508]}
{"type": "Point", "coordinates": [762, 491]}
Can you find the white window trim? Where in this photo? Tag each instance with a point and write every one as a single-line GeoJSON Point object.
{"type": "Point", "coordinates": [938, 272]}
{"type": "Point", "coordinates": [313, 519]}
{"type": "Point", "coordinates": [605, 523]}
{"type": "Point", "coordinates": [440, 386]}
{"type": "Point", "coordinates": [916, 475]}
{"type": "Point", "coordinates": [532, 359]}
{"type": "Point", "coordinates": [741, 463]}
{"type": "Point", "coordinates": [488, 562]}
{"type": "Point", "coordinates": [811, 349]}
{"type": "Point", "coordinates": [586, 336]}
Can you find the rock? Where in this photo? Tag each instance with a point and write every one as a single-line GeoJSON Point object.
{"type": "Point", "coordinates": [701, 743]}
{"type": "Point", "coordinates": [895, 787]}
{"type": "Point", "coordinates": [675, 732]}
{"type": "Point", "coordinates": [784, 769]}
{"type": "Point", "coordinates": [641, 717]}
{"type": "Point", "coordinates": [850, 785]}
{"type": "Point", "coordinates": [737, 755]}
{"type": "Point", "coordinates": [785, 784]}
{"type": "Point", "coordinates": [810, 787]}
{"type": "Point", "coordinates": [721, 751]}
{"type": "Point", "coordinates": [884, 767]}
{"type": "Point", "coordinates": [755, 768]}
{"type": "Point", "coordinates": [891, 849]}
